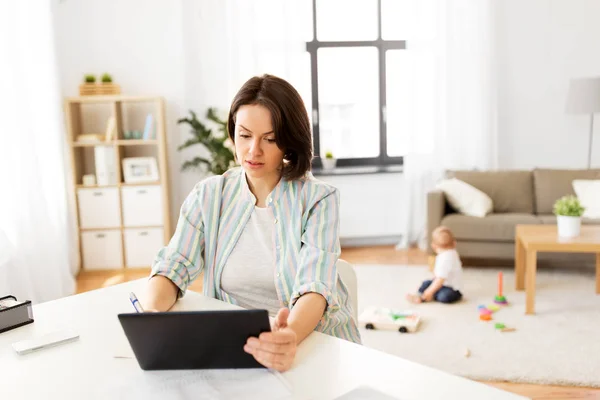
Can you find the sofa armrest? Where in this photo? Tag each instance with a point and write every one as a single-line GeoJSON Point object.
{"type": "Point", "coordinates": [436, 209]}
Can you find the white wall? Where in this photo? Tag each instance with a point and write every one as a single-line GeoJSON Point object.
{"type": "Point", "coordinates": [140, 45]}
{"type": "Point", "coordinates": [369, 206]}
{"type": "Point", "coordinates": [171, 49]}
{"type": "Point", "coordinates": [542, 44]}
{"type": "Point", "coordinates": [177, 49]}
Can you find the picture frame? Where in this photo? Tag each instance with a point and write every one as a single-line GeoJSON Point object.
{"type": "Point", "coordinates": [140, 169]}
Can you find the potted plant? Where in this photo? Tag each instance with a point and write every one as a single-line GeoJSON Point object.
{"type": "Point", "coordinates": [107, 87]}
{"type": "Point", "coordinates": [88, 87]}
{"type": "Point", "coordinates": [219, 145]}
{"type": "Point", "coordinates": [106, 78]}
{"type": "Point", "coordinates": [568, 212]}
{"type": "Point", "coordinates": [329, 161]}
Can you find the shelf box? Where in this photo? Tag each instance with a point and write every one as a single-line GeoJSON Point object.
{"type": "Point", "coordinates": [98, 207]}
{"type": "Point", "coordinates": [142, 206]}
{"type": "Point", "coordinates": [142, 245]}
{"type": "Point", "coordinates": [102, 249]}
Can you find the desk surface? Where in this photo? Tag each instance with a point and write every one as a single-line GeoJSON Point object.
{"type": "Point", "coordinates": [325, 367]}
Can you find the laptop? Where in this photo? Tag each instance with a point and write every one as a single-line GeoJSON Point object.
{"type": "Point", "coordinates": [194, 339]}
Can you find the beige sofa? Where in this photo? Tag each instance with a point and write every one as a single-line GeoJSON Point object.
{"type": "Point", "coordinates": [519, 197]}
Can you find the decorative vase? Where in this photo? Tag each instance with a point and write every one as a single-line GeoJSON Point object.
{"type": "Point", "coordinates": [568, 227]}
{"type": "Point", "coordinates": [328, 163]}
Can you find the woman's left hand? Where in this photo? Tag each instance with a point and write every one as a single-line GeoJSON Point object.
{"type": "Point", "coordinates": [275, 349]}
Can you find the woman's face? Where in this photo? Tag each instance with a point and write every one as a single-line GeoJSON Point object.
{"type": "Point", "coordinates": [255, 145]}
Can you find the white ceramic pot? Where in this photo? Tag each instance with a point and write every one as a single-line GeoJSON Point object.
{"type": "Point", "coordinates": [568, 226]}
{"type": "Point", "coordinates": [328, 163]}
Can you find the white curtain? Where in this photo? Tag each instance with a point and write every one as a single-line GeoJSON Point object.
{"type": "Point", "coordinates": [454, 100]}
{"type": "Point", "coordinates": [35, 234]}
{"type": "Point", "coordinates": [268, 36]}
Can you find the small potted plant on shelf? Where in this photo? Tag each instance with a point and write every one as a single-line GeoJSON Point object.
{"type": "Point", "coordinates": [106, 78]}
{"type": "Point", "coordinates": [107, 86]}
{"type": "Point", "coordinates": [88, 87]}
{"type": "Point", "coordinates": [568, 212]}
{"type": "Point", "coordinates": [329, 161]}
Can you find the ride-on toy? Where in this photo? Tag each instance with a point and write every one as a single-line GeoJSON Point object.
{"type": "Point", "coordinates": [389, 319]}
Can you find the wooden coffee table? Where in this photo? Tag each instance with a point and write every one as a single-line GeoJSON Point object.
{"type": "Point", "coordinates": [531, 239]}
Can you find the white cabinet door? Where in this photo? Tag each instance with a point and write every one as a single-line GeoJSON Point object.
{"type": "Point", "coordinates": [142, 206]}
{"type": "Point", "coordinates": [102, 249]}
{"type": "Point", "coordinates": [142, 245]}
{"type": "Point", "coordinates": [99, 208]}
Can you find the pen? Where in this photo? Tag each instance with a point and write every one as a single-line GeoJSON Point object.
{"type": "Point", "coordinates": [135, 302]}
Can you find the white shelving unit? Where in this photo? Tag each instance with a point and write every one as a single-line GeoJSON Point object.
{"type": "Point", "coordinates": [122, 225]}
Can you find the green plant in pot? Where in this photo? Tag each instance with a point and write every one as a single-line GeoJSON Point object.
{"type": "Point", "coordinates": [329, 160]}
{"type": "Point", "coordinates": [89, 78]}
{"type": "Point", "coordinates": [568, 211]}
{"type": "Point", "coordinates": [106, 78]}
{"type": "Point", "coordinates": [218, 144]}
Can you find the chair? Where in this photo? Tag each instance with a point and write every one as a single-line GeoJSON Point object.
{"type": "Point", "coordinates": [348, 276]}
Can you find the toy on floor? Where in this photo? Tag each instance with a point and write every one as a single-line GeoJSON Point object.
{"type": "Point", "coordinates": [485, 313]}
{"type": "Point", "coordinates": [485, 317]}
{"type": "Point", "coordinates": [503, 328]}
{"type": "Point", "coordinates": [388, 319]}
{"type": "Point", "coordinates": [500, 299]}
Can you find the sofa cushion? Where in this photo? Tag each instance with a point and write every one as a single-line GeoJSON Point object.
{"type": "Point", "coordinates": [466, 199]}
{"type": "Point", "coordinates": [550, 219]}
{"type": "Point", "coordinates": [494, 227]}
{"type": "Point", "coordinates": [552, 184]}
{"type": "Point", "coordinates": [510, 191]}
{"type": "Point", "coordinates": [588, 193]}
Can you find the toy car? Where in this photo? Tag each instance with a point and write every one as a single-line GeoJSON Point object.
{"type": "Point", "coordinates": [386, 318]}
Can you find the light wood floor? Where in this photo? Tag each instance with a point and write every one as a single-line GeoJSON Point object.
{"type": "Point", "coordinates": [361, 255]}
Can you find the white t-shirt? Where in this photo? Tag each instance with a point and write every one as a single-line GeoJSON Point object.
{"type": "Point", "coordinates": [449, 267]}
{"type": "Point", "coordinates": [249, 273]}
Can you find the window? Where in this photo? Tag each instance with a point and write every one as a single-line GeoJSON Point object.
{"type": "Point", "coordinates": [358, 72]}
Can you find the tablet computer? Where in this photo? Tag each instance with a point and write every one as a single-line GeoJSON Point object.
{"type": "Point", "coordinates": [194, 339]}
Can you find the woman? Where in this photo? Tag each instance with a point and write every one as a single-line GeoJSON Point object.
{"type": "Point", "coordinates": [266, 234]}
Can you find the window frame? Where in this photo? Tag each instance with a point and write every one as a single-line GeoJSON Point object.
{"type": "Point", "coordinates": [382, 47]}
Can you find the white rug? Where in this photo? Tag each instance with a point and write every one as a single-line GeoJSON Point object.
{"type": "Point", "coordinates": [559, 345]}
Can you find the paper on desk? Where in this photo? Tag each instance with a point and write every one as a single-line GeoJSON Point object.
{"type": "Point", "coordinates": [200, 385]}
{"type": "Point", "coordinates": [365, 392]}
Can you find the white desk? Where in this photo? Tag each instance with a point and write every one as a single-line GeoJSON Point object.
{"type": "Point", "coordinates": [325, 367]}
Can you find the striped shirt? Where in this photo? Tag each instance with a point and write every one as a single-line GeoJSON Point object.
{"type": "Point", "coordinates": [306, 243]}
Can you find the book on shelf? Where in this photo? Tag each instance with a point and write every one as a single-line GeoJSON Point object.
{"type": "Point", "coordinates": [106, 165]}
{"type": "Point", "coordinates": [149, 128]}
{"type": "Point", "coordinates": [111, 129]}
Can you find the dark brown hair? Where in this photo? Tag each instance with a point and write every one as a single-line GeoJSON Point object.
{"type": "Point", "coordinates": [288, 116]}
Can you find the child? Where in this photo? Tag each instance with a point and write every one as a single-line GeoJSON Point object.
{"type": "Point", "coordinates": [447, 282]}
